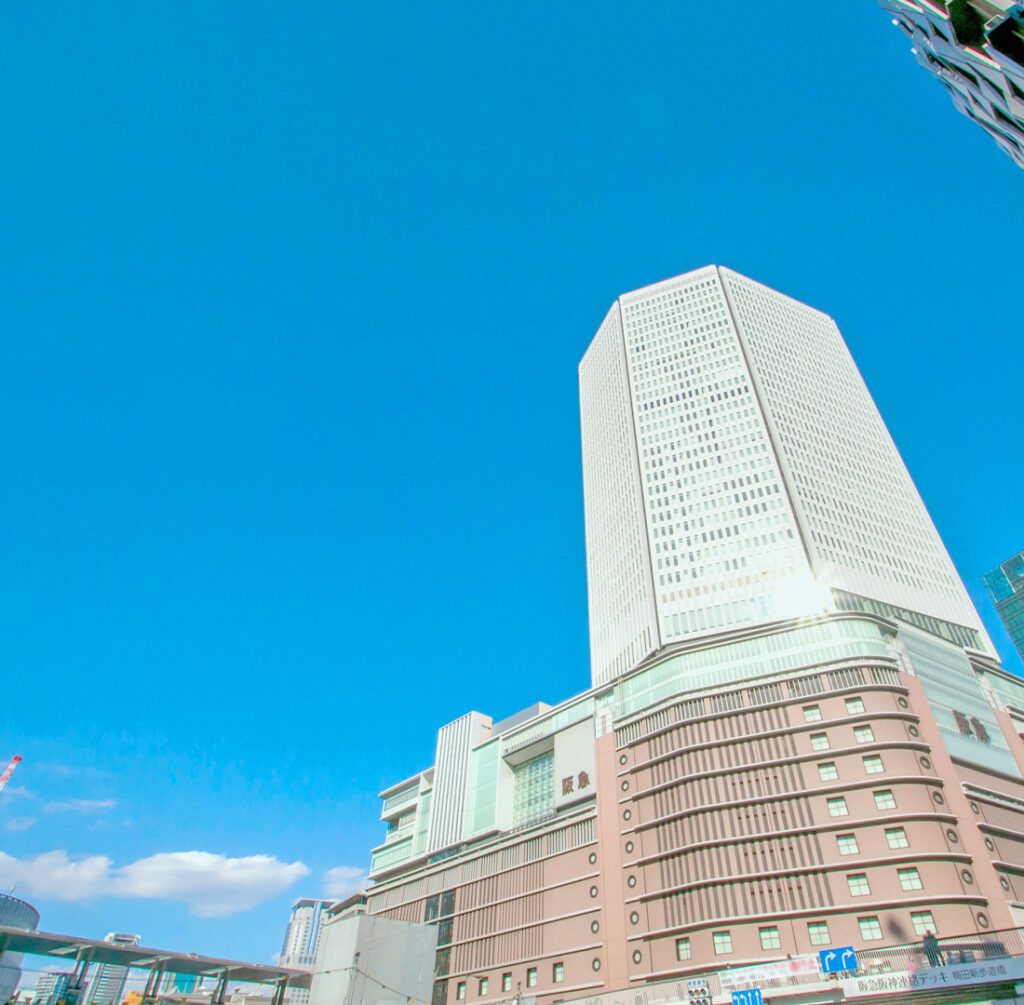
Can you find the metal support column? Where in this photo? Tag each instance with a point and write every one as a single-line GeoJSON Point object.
{"type": "Point", "coordinates": [279, 991]}
{"type": "Point", "coordinates": [219, 988]}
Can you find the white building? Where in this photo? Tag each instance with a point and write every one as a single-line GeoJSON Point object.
{"type": "Point", "coordinates": [50, 987]}
{"type": "Point", "coordinates": [976, 50]}
{"type": "Point", "coordinates": [736, 471]}
{"type": "Point", "coordinates": [107, 982]}
{"type": "Point", "coordinates": [302, 940]}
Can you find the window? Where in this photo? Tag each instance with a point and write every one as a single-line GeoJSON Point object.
{"type": "Point", "coordinates": [897, 837]}
{"type": "Point", "coordinates": [812, 713]}
{"type": "Point", "coordinates": [683, 949]}
{"type": "Point", "coordinates": [873, 764]}
{"type": "Point", "coordinates": [863, 734]}
{"type": "Point", "coordinates": [854, 705]}
{"type": "Point", "coordinates": [770, 938]}
{"type": "Point", "coordinates": [923, 922]}
{"type": "Point", "coordinates": [447, 903]}
{"type": "Point", "coordinates": [482, 986]}
{"type": "Point", "coordinates": [858, 882]}
{"type": "Point", "coordinates": [828, 772]}
{"type": "Point", "coordinates": [722, 942]}
{"type": "Point", "coordinates": [558, 973]}
{"type": "Point", "coordinates": [847, 844]}
{"type": "Point", "coordinates": [506, 982]}
{"type": "Point", "coordinates": [531, 977]}
{"type": "Point", "coordinates": [818, 931]}
{"type": "Point", "coordinates": [870, 929]}
{"type": "Point", "coordinates": [819, 741]}
{"type": "Point", "coordinates": [460, 991]}
{"type": "Point", "coordinates": [885, 800]}
{"type": "Point", "coordinates": [837, 807]}
{"type": "Point", "coordinates": [430, 908]}
{"type": "Point", "coordinates": [910, 879]}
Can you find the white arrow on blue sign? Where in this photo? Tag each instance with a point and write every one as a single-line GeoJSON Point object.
{"type": "Point", "coordinates": [837, 961]}
{"type": "Point", "coordinates": [752, 997]}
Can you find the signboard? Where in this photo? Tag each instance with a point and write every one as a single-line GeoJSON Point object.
{"type": "Point", "coordinates": [698, 992]}
{"type": "Point", "coordinates": [751, 997]}
{"type": "Point", "coordinates": [935, 978]}
{"type": "Point", "coordinates": [838, 961]}
{"type": "Point", "coordinates": [761, 973]}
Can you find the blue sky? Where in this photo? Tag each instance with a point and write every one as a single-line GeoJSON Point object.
{"type": "Point", "coordinates": [293, 298]}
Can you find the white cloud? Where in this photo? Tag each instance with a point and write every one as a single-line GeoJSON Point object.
{"type": "Point", "coordinates": [212, 885]}
{"type": "Point", "coordinates": [53, 875]}
{"type": "Point", "coordinates": [15, 792]}
{"type": "Point", "coordinates": [343, 880]}
{"type": "Point", "coordinates": [81, 806]}
{"type": "Point", "coordinates": [19, 823]}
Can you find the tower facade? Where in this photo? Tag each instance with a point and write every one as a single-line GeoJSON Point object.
{"type": "Point", "coordinates": [736, 471]}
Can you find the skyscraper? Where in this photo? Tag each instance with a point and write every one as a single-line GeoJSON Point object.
{"type": "Point", "coordinates": [736, 471]}
{"type": "Point", "coordinates": [107, 982]}
{"type": "Point", "coordinates": [797, 735]}
{"type": "Point", "coordinates": [976, 50]}
{"type": "Point", "coordinates": [302, 940]}
{"type": "Point", "coordinates": [1005, 585]}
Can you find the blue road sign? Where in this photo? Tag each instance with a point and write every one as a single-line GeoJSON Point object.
{"type": "Point", "coordinates": [752, 997]}
{"type": "Point", "coordinates": [837, 961]}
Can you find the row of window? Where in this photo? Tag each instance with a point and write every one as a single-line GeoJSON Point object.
{"type": "Point", "coordinates": [895, 836]}
{"type": "Point", "coordinates": [870, 930]}
{"type": "Point", "coordinates": [854, 706]}
{"type": "Point", "coordinates": [828, 771]}
{"type": "Point", "coordinates": [557, 976]}
{"type": "Point", "coordinates": [884, 800]}
{"type": "Point", "coordinates": [861, 734]}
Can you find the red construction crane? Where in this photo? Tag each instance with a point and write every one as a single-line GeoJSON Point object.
{"type": "Point", "coordinates": [9, 770]}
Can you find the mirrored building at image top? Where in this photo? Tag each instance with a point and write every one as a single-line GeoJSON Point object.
{"type": "Point", "coordinates": [797, 734]}
{"type": "Point", "coordinates": [975, 48]}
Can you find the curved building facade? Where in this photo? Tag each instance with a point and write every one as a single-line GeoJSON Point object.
{"type": "Point", "coordinates": [18, 914]}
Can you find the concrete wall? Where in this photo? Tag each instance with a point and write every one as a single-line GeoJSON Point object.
{"type": "Point", "coordinates": [395, 962]}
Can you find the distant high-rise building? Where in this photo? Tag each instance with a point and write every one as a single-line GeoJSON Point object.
{"type": "Point", "coordinates": [976, 49]}
{"type": "Point", "coordinates": [50, 987]}
{"type": "Point", "coordinates": [1005, 585]}
{"type": "Point", "coordinates": [302, 940]}
{"type": "Point", "coordinates": [106, 985]}
{"type": "Point", "coordinates": [736, 471]}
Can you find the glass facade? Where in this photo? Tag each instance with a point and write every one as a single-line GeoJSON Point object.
{"type": "Point", "coordinates": [1005, 585]}
{"type": "Point", "coordinates": [534, 792]}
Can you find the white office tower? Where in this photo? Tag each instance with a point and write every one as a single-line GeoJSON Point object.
{"type": "Point", "coordinates": [736, 471]}
{"type": "Point", "coordinates": [107, 983]}
{"type": "Point", "coordinates": [302, 940]}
